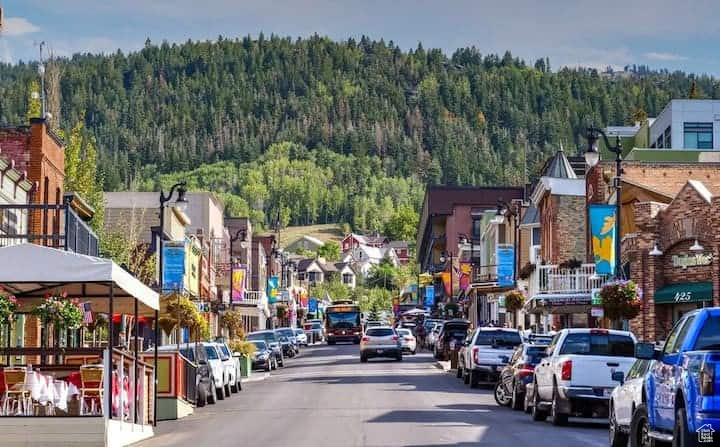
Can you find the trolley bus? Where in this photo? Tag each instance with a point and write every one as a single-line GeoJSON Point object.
{"type": "Point", "coordinates": [342, 322]}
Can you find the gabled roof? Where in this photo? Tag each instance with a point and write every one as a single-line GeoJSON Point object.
{"type": "Point", "coordinates": [304, 264]}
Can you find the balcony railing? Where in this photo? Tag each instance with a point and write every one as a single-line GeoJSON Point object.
{"type": "Point", "coordinates": [552, 279]}
{"type": "Point", "coordinates": [484, 274]}
{"type": "Point", "coordinates": [54, 226]}
{"type": "Point", "coordinates": [252, 297]}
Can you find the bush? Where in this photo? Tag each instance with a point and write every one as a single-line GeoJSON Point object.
{"type": "Point", "coordinates": [244, 348]}
{"type": "Point", "coordinates": [620, 300]}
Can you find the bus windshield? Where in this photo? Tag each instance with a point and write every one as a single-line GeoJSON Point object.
{"type": "Point", "coordinates": [343, 320]}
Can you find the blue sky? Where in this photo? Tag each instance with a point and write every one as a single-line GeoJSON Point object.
{"type": "Point", "coordinates": [669, 34]}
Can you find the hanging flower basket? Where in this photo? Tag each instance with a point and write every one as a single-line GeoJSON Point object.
{"type": "Point", "coordinates": [526, 271]}
{"type": "Point", "coordinates": [514, 301]}
{"type": "Point", "coordinates": [60, 311]}
{"type": "Point", "coordinates": [8, 307]}
{"type": "Point", "coordinates": [281, 311]}
{"type": "Point", "coordinates": [620, 300]}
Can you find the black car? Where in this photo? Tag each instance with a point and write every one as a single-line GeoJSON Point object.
{"type": "Point", "coordinates": [272, 341]}
{"type": "Point", "coordinates": [517, 374]}
{"type": "Point", "coordinates": [288, 348]}
{"type": "Point", "coordinates": [263, 358]}
{"type": "Point", "coordinates": [452, 331]}
{"type": "Point", "coordinates": [204, 388]}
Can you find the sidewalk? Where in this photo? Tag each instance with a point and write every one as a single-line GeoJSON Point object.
{"type": "Point", "coordinates": [255, 377]}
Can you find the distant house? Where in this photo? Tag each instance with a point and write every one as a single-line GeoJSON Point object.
{"type": "Point", "coordinates": [401, 251]}
{"type": "Point", "coordinates": [353, 240]}
{"type": "Point", "coordinates": [362, 258]}
{"type": "Point", "coordinates": [316, 270]}
{"type": "Point", "coordinates": [307, 243]}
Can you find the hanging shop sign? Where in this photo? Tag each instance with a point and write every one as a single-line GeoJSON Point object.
{"type": "Point", "coordinates": [691, 260]}
{"type": "Point", "coordinates": [506, 265]}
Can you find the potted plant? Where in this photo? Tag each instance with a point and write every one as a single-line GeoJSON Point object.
{"type": "Point", "coordinates": [8, 307]}
{"type": "Point", "coordinates": [620, 300]}
{"type": "Point", "coordinates": [514, 301]}
{"type": "Point", "coordinates": [281, 310]}
{"type": "Point", "coordinates": [526, 271]}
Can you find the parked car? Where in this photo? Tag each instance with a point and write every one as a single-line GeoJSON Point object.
{"type": "Point", "coordinates": [288, 349]}
{"type": "Point", "coordinates": [301, 336]}
{"type": "Point", "coordinates": [380, 342]}
{"type": "Point", "coordinates": [485, 353]}
{"type": "Point", "coordinates": [210, 353]}
{"type": "Point", "coordinates": [315, 331]}
{"type": "Point", "coordinates": [432, 336]}
{"type": "Point", "coordinates": [369, 324]}
{"type": "Point", "coordinates": [515, 376]}
{"type": "Point", "coordinates": [290, 334]}
{"type": "Point", "coordinates": [408, 343]}
{"type": "Point", "coordinates": [575, 379]}
{"type": "Point", "coordinates": [204, 379]}
{"type": "Point", "coordinates": [682, 389]}
{"type": "Point", "coordinates": [232, 366]}
{"type": "Point", "coordinates": [263, 357]}
{"type": "Point", "coordinates": [624, 399]}
{"type": "Point", "coordinates": [272, 341]}
{"type": "Point", "coordinates": [453, 333]}
{"type": "Point", "coordinates": [544, 339]}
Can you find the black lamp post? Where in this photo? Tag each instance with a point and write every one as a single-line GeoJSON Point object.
{"type": "Point", "coordinates": [181, 204]}
{"type": "Point", "coordinates": [240, 235]}
{"type": "Point", "coordinates": [592, 158]}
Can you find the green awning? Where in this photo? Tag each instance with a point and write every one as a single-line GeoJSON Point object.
{"type": "Point", "coordinates": [688, 292]}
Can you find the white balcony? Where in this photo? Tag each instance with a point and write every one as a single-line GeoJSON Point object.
{"type": "Point", "coordinates": [554, 280]}
{"type": "Point", "coordinates": [253, 297]}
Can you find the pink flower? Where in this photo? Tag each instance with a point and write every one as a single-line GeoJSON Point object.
{"type": "Point", "coordinates": [64, 294]}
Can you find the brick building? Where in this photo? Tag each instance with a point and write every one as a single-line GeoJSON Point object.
{"type": "Point", "coordinates": [683, 273]}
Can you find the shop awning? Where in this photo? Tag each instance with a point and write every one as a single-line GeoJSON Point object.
{"type": "Point", "coordinates": [687, 292]}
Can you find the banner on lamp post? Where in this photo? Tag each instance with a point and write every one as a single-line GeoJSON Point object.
{"type": "Point", "coordinates": [173, 267]}
{"type": "Point", "coordinates": [429, 296]}
{"type": "Point", "coordinates": [239, 277]}
{"type": "Point", "coordinates": [603, 234]}
{"type": "Point", "coordinates": [272, 289]}
{"type": "Point", "coordinates": [506, 265]}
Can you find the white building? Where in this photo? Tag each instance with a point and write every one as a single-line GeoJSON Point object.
{"type": "Point", "coordinates": [14, 190]}
{"type": "Point", "coordinates": [363, 257]}
{"type": "Point", "coordinates": [687, 124]}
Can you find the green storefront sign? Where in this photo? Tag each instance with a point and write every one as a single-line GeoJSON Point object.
{"type": "Point", "coordinates": [690, 292]}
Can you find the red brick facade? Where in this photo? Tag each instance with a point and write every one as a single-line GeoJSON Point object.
{"type": "Point", "coordinates": [674, 227]}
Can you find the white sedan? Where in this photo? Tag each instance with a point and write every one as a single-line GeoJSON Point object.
{"type": "Point", "coordinates": [407, 340]}
{"type": "Point", "coordinates": [301, 337]}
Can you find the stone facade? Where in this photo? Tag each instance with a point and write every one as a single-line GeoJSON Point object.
{"type": "Point", "coordinates": [694, 214]}
{"type": "Point", "coordinates": [562, 219]}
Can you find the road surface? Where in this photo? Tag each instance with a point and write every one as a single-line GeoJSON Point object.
{"type": "Point", "coordinates": [327, 398]}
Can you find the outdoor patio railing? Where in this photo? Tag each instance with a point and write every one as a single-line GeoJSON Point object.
{"type": "Point", "coordinates": [56, 226]}
{"type": "Point", "coordinates": [553, 279]}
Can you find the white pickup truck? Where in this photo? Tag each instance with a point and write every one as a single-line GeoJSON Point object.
{"type": "Point", "coordinates": [576, 377]}
{"type": "Point", "coordinates": [485, 353]}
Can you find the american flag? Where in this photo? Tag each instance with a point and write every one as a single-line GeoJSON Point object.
{"type": "Point", "coordinates": [87, 317]}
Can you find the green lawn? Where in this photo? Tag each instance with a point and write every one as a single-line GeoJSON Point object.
{"type": "Point", "coordinates": [326, 232]}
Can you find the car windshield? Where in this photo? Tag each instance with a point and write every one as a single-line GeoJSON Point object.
{"type": "Point", "coordinates": [498, 338]}
{"type": "Point", "coordinates": [709, 337]}
{"type": "Point", "coordinates": [380, 332]}
{"type": "Point", "coordinates": [343, 320]}
{"type": "Point", "coordinates": [267, 337]}
{"type": "Point", "coordinates": [599, 344]}
{"type": "Point", "coordinates": [456, 332]}
{"type": "Point", "coordinates": [404, 332]}
{"type": "Point", "coordinates": [534, 354]}
{"type": "Point", "coordinates": [224, 352]}
{"type": "Point", "coordinates": [259, 345]}
{"type": "Point", "coordinates": [188, 353]}
{"type": "Point", "coordinates": [286, 332]}
{"type": "Point", "coordinates": [317, 326]}
{"type": "Point", "coordinates": [211, 353]}
{"type": "Point", "coordinates": [299, 332]}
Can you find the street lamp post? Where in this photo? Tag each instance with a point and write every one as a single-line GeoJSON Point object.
{"type": "Point", "coordinates": [592, 158]}
{"type": "Point", "coordinates": [239, 235]}
{"type": "Point", "coordinates": [181, 204]}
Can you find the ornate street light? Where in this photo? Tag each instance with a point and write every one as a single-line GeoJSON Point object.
{"type": "Point", "coordinates": [655, 251]}
{"type": "Point", "coordinates": [696, 247]}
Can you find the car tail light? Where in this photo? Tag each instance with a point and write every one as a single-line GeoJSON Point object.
{"type": "Point", "coordinates": [365, 339]}
{"type": "Point", "coordinates": [525, 370]}
{"type": "Point", "coordinates": [566, 371]}
{"type": "Point", "coordinates": [395, 338]}
{"type": "Point", "coordinates": [707, 379]}
{"type": "Point", "coordinates": [408, 338]}
{"type": "Point", "coordinates": [475, 351]}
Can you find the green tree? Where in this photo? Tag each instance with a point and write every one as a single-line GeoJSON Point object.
{"type": "Point", "coordinates": [81, 172]}
{"type": "Point", "coordinates": [34, 103]}
{"type": "Point", "coordinates": [403, 224]}
{"type": "Point", "coordinates": [330, 250]}
{"type": "Point", "coordinates": [383, 275]}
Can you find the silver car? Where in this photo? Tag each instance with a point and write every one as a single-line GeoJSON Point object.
{"type": "Point", "coordinates": [380, 342]}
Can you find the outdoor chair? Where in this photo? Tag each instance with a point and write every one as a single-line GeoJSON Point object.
{"type": "Point", "coordinates": [91, 388]}
{"type": "Point", "coordinates": [16, 396]}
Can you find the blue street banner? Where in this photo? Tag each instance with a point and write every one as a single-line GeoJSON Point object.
{"type": "Point", "coordinates": [429, 296]}
{"type": "Point", "coordinates": [272, 289]}
{"type": "Point", "coordinates": [312, 305]}
{"type": "Point", "coordinates": [173, 266]}
{"type": "Point", "coordinates": [602, 232]}
{"type": "Point", "coordinates": [506, 265]}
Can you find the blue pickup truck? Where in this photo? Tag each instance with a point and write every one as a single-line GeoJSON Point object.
{"type": "Point", "coordinates": [682, 390]}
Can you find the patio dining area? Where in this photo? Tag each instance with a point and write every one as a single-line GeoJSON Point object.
{"type": "Point", "coordinates": [81, 380]}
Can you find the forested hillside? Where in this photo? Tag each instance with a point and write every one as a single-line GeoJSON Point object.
{"type": "Point", "coordinates": [417, 116]}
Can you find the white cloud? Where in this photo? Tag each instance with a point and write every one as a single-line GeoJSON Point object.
{"type": "Point", "coordinates": [665, 57]}
{"type": "Point", "coordinates": [18, 26]}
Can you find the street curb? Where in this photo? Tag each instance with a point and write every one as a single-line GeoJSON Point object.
{"type": "Point", "coordinates": [445, 366]}
{"type": "Point", "coordinates": [255, 378]}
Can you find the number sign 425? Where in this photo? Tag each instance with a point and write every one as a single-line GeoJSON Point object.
{"type": "Point", "coordinates": [683, 296]}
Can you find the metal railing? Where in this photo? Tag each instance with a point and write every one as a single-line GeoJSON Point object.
{"type": "Point", "coordinates": [553, 279]}
{"type": "Point", "coordinates": [252, 297]}
{"type": "Point", "coordinates": [484, 274]}
{"type": "Point", "coordinates": [56, 226]}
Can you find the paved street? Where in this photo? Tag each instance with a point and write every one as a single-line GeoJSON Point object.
{"type": "Point", "coordinates": [327, 398]}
